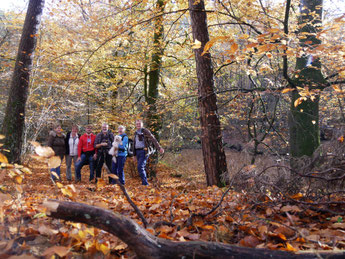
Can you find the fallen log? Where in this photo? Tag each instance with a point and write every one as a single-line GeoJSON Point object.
{"type": "Point", "coordinates": [146, 245]}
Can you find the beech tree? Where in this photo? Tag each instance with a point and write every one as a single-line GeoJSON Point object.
{"type": "Point", "coordinates": [304, 115]}
{"type": "Point", "coordinates": [211, 136]}
{"type": "Point", "coordinates": [152, 93]}
{"type": "Point", "coordinates": [14, 121]}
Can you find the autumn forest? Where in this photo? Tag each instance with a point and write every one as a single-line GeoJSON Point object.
{"type": "Point", "coordinates": [230, 121]}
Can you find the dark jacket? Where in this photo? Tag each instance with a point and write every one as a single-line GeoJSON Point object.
{"type": "Point", "coordinates": [66, 141]}
{"type": "Point", "coordinates": [57, 143]}
{"type": "Point", "coordinates": [149, 140]}
{"type": "Point", "coordinates": [109, 138]}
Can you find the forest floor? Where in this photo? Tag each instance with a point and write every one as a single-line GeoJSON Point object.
{"type": "Point", "coordinates": [179, 190]}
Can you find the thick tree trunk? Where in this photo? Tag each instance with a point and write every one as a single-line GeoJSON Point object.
{"type": "Point", "coordinates": [304, 119]}
{"type": "Point", "coordinates": [211, 138]}
{"type": "Point", "coordinates": [153, 118]}
{"type": "Point", "coordinates": [14, 121]}
{"type": "Point", "coordinates": [146, 245]}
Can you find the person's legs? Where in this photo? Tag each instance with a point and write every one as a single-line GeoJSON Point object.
{"type": "Point", "coordinates": [92, 168]}
{"type": "Point", "coordinates": [100, 162]}
{"type": "Point", "coordinates": [142, 160]}
{"type": "Point", "coordinates": [74, 158]}
{"type": "Point", "coordinates": [108, 162]}
{"type": "Point", "coordinates": [120, 161]}
{"type": "Point", "coordinates": [113, 171]}
{"type": "Point", "coordinates": [68, 167]}
{"type": "Point", "coordinates": [57, 172]}
{"type": "Point", "coordinates": [78, 167]}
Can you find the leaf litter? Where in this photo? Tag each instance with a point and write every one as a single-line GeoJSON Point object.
{"type": "Point", "coordinates": [167, 204]}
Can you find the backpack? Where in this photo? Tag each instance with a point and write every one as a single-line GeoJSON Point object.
{"type": "Point", "coordinates": [130, 147]}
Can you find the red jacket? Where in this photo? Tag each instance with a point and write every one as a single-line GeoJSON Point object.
{"type": "Point", "coordinates": [86, 143]}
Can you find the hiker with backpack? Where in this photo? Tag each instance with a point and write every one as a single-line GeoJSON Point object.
{"type": "Point", "coordinates": [122, 152]}
{"type": "Point", "coordinates": [103, 143]}
{"type": "Point", "coordinates": [144, 143]}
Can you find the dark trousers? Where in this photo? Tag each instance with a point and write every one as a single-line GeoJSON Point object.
{"type": "Point", "coordinates": [100, 162]}
{"type": "Point", "coordinates": [85, 159]}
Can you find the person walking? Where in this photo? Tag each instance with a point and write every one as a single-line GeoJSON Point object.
{"type": "Point", "coordinates": [103, 143]}
{"type": "Point", "coordinates": [117, 168]}
{"type": "Point", "coordinates": [86, 153]}
{"type": "Point", "coordinates": [142, 150]}
{"type": "Point", "coordinates": [71, 144]}
{"type": "Point", "coordinates": [56, 141]}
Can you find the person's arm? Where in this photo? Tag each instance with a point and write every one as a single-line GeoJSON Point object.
{"type": "Point", "coordinates": [66, 143]}
{"type": "Point", "coordinates": [154, 140]}
{"type": "Point", "coordinates": [124, 143]}
{"type": "Point", "coordinates": [50, 140]}
{"type": "Point", "coordinates": [80, 146]}
{"type": "Point", "coordinates": [149, 135]}
{"type": "Point", "coordinates": [134, 153]}
{"type": "Point", "coordinates": [98, 143]}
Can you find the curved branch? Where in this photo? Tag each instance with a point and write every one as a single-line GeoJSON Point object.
{"type": "Point", "coordinates": [145, 245]}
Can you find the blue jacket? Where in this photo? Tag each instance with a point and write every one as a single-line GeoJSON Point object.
{"type": "Point", "coordinates": [123, 148]}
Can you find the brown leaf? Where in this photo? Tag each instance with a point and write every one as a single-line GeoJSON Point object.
{"type": "Point", "coordinates": [288, 232]}
{"type": "Point", "coordinates": [165, 229]}
{"type": "Point", "coordinates": [289, 208]}
{"type": "Point", "coordinates": [338, 225]}
{"type": "Point", "coordinates": [249, 241]}
{"type": "Point", "coordinates": [23, 256]}
{"type": "Point", "coordinates": [263, 231]}
{"type": "Point", "coordinates": [44, 230]}
{"type": "Point", "coordinates": [193, 236]}
{"type": "Point", "coordinates": [154, 207]}
{"type": "Point", "coordinates": [59, 250]}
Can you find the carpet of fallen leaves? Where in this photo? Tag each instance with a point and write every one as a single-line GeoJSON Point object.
{"type": "Point", "coordinates": [167, 204]}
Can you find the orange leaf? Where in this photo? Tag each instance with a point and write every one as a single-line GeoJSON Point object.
{"type": "Point", "coordinates": [19, 179]}
{"type": "Point", "coordinates": [3, 158]}
{"type": "Point", "coordinates": [286, 90]}
{"type": "Point", "coordinates": [290, 248]}
{"type": "Point", "coordinates": [209, 227]}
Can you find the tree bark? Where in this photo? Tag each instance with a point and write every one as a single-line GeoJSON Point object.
{"type": "Point", "coordinates": [14, 121]}
{"type": "Point", "coordinates": [304, 119]}
{"type": "Point", "coordinates": [154, 122]}
{"type": "Point", "coordinates": [145, 245]}
{"type": "Point", "coordinates": [211, 138]}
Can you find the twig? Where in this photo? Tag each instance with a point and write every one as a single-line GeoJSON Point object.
{"type": "Point", "coordinates": [123, 189]}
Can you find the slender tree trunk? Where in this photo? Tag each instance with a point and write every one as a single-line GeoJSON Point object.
{"type": "Point", "coordinates": [153, 118]}
{"type": "Point", "coordinates": [14, 121]}
{"type": "Point", "coordinates": [212, 148]}
{"type": "Point", "coordinates": [304, 119]}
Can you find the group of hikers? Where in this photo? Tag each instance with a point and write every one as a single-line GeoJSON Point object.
{"type": "Point", "coordinates": [94, 150]}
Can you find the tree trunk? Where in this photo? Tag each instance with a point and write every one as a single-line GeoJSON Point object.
{"type": "Point", "coordinates": [304, 119]}
{"type": "Point", "coordinates": [211, 138]}
{"type": "Point", "coordinates": [153, 118]}
{"type": "Point", "coordinates": [14, 121]}
{"type": "Point", "coordinates": [145, 245]}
